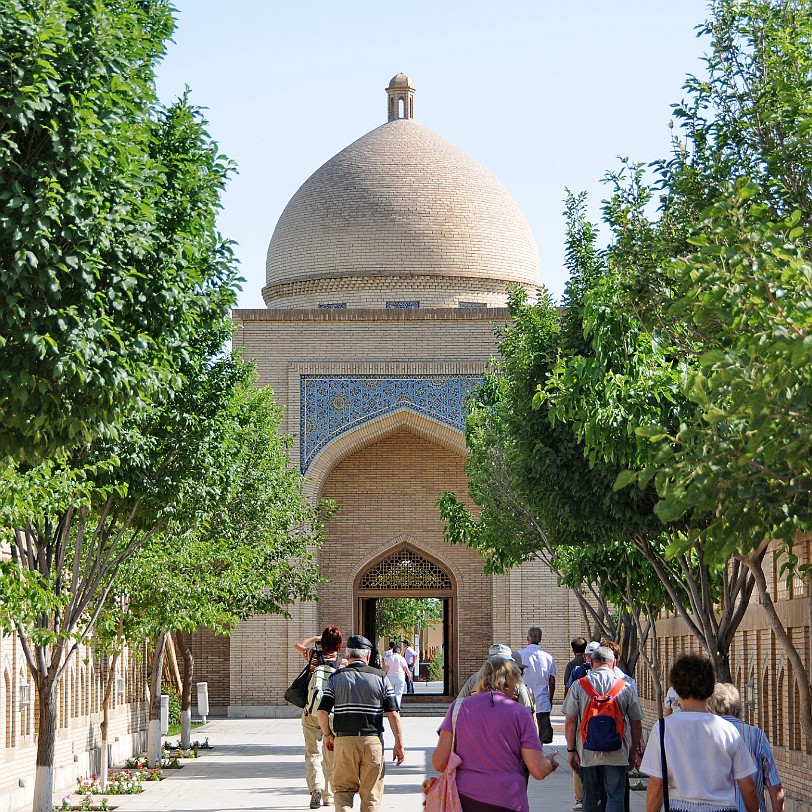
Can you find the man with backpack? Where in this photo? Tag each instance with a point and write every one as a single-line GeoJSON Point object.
{"type": "Point", "coordinates": [603, 726]}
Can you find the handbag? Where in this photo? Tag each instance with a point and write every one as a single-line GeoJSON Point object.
{"type": "Point", "coordinates": [296, 693]}
{"type": "Point", "coordinates": [664, 765]}
{"type": "Point", "coordinates": [442, 795]}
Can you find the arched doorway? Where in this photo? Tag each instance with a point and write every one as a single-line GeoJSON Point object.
{"type": "Point", "coordinates": [407, 572]}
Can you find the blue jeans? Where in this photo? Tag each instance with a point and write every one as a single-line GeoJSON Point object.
{"type": "Point", "coordinates": [604, 788]}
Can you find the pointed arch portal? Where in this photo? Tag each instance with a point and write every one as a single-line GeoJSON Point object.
{"type": "Point", "coordinates": [408, 572]}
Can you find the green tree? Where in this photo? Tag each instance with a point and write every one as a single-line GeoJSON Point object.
{"type": "Point", "coordinates": [396, 616]}
{"type": "Point", "coordinates": [247, 545]}
{"type": "Point", "coordinates": [716, 285]}
{"type": "Point", "coordinates": [108, 243]}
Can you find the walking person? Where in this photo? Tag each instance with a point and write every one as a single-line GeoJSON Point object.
{"type": "Point", "coordinates": [602, 761]}
{"type": "Point", "coordinates": [410, 655]}
{"type": "Point", "coordinates": [358, 696]}
{"type": "Point", "coordinates": [539, 676]}
{"type": "Point", "coordinates": [318, 759]}
{"type": "Point", "coordinates": [397, 670]}
{"type": "Point", "coordinates": [705, 754]}
{"type": "Point", "coordinates": [726, 702]}
{"type": "Point", "coordinates": [495, 738]}
{"type": "Point", "coordinates": [578, 646]}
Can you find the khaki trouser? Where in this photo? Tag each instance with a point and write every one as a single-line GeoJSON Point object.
{"type": "Point", "coordinates": [359, 767]}
{"type": "Point", "coordinates": [577, 786]}
{"type": "Point", "coordinates": [318, 766]}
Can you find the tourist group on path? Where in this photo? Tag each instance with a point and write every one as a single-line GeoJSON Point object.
{"type": "Point", "coordinates": [701, 758]}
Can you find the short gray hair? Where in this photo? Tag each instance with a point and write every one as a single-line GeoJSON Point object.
{"type": "Point", "coordinates": [603, 654]}
{"type": "Point", "coordinates": [358, 654]}
{"type": "Point", "coordinates": [725, 700]}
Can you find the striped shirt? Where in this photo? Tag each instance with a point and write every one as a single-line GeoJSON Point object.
{"type": "Point", "coordinates": [358, 697]}
{"type": "Point", "coordinates": [759, 748]}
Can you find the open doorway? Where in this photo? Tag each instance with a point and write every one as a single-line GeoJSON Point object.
{"type": "Point", "coordinates": [406, 595]}
{"type": "Point", "coordinates": [421, 624]}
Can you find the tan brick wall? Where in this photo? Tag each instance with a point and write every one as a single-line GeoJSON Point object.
{"type": "Point", "coordinates": [78, 739]}
{"type": "Point", "coordinates": [431, 291]}
{"type": "Point", "coordinates": [212, 654]}
{"type": "Point", "coordinates": [757, 654]}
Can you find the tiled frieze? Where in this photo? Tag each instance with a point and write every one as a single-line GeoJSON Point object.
{"type": "Point", "coordinates": [331, 405]}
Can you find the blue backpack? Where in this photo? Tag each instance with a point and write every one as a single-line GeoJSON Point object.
{"type": "Point", "coordinates": [602, 725]}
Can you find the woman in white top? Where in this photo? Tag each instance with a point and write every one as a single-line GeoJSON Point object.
{"type": "Point", "coordinates": [394, 666]}
{"type": "Point", "coordinates": [705, 759]}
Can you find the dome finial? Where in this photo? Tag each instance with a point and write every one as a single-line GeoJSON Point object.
{"type": "Point", "coordinates": [401, 97]}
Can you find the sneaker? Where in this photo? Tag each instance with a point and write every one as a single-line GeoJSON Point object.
{"type": "Point", "coordinates": [315, 799]}
{"type": "Point", "coordinates": [578, 806]}
{"type": "Point", "coordinates": [327, 800]}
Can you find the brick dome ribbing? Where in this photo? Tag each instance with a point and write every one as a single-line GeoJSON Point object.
{"type": "Point", "coordinates": [400, 204]}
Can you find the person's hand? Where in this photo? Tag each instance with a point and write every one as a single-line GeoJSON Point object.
{"type": "Point", "coordinates": [330, 741]}
{"type": "Point", "coordinates": [574, 761]}
{"type": "Point", "coordinates": [398, 754]}
{"type": "Point", "coordinates": [553, 763]}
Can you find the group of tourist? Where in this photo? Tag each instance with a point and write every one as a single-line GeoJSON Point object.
{"type": "Point", "coordinates": [702, 758]}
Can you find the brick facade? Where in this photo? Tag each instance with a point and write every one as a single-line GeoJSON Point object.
{"type": "Point", "coordinates": [78, 739]}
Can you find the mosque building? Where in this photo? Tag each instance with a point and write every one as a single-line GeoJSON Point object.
{"type": "Point", "coordinates": [386, 274]}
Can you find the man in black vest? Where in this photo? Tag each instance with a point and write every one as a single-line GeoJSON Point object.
{"type": "Point", "coordinates": [358, 696]}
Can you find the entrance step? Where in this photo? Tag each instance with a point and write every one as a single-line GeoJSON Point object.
{"type": "Point", "coordinates": [437, 709]}
{"type": "Point", "coordinates": [425, 705]}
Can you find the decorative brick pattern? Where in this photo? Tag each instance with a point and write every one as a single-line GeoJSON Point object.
{"type": "Point", "coordinates": [431, 290]}
{"type": "Point", "coordinates": [334, 404]}
{"type": "Point", "coordinates": [402, 200]}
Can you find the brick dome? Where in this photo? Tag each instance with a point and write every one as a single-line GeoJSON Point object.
{"type": "Point", "coordinates": [400, 215]}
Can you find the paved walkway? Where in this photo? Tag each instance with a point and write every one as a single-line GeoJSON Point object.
{"type": "Point", "coordinates": [259, 764]}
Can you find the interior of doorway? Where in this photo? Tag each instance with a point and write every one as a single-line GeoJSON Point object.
{"type": "Point", "coordinates": [432, 645]}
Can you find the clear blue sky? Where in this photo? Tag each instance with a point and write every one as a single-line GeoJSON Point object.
{"type": "Point", "coordinates": [545, 94]}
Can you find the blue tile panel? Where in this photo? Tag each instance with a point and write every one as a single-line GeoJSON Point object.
{"type": "Point", "coordinates": [332, 405]}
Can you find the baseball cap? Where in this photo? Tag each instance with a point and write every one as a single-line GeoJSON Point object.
{"type": "Point", "coordinates": [499, 651]}
{"type": "Point", "coordinates": [592, 647]}
{"type": "Point", "coordinates": [358, 641]}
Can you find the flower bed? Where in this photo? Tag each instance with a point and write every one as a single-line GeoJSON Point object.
{"type": "Point", "coordinates": [119, 782]}
{"type": "Point", "coordinates": [84, 805]}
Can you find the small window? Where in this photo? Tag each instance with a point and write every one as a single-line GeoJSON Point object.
{"type": "Point", "coordinates": [402, 305]}
{"type": "Point", "coordinates": [333, 306]}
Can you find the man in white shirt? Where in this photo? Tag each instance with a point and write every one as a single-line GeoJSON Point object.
{"type": "Point", "coordinates": [411, 658]}
{"type": "Point", "coordinates": [539, 676]}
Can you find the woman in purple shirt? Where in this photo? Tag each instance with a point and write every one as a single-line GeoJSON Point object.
{"type": "Point", "coordinates": [495, 734]}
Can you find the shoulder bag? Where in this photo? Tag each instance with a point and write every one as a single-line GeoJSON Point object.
{"type": "Point", "coordinates": [664, 765]}
{"type": "Point", "coordinates": [442, 795]}
{"type": "Point", "coordinates": [296, 694]}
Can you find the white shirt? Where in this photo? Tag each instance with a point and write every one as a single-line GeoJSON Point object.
{"type": "Point", "coordinates": [409, 655]}
{"type": "Point", "coordinates": [540, 667]}
{"type": "Point", "coordinates": [705, 755]}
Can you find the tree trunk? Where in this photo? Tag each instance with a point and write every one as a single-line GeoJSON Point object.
{"type": "Point", "coordinates": [46, 741]}
{"type": "Point", "coordinates": [105, 722]}
{"type": "Point", "coordinates": [154, 730]}
{"type": "Point", "coordinates": [186, 692]}
{"type": "Point", "coordinates": [793, 655]}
